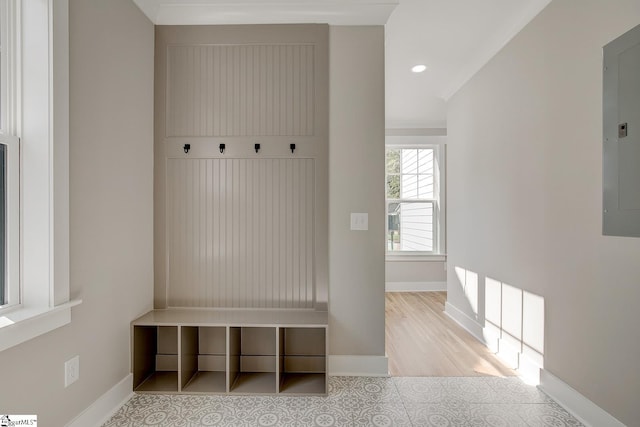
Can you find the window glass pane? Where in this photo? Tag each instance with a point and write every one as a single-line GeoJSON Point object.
{"type": "Point", "coordinates": [410, 227]}
{"type": "Point", "coordinates": [393, 161]}
{"type": "Point", "coordinates": [393, 228]}
{"type": "Point", "coordinates": [425, 161]}
{"type": "Point", "coordinates": [393, 186]}
{"type": "Point", "coordinates": [409, 161]}
{"type": "Point", "coordinates": [425, 186]}
{"type": "Point", "coordinates": [409, 187]}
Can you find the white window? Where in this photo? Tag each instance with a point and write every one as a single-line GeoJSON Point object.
{"type": "Point", "coordinates": [413, 200]}
{"type": "Point", "coordinates": [9, 159]}
{"type": "Point", "coordinates": [34, 106]}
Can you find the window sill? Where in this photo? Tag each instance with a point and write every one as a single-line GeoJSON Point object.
{"type": "Point", "coordinates": [412, 257]}
{"type": "Point", "coordinates": [24, 324]}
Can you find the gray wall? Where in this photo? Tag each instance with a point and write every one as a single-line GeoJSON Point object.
{"type": "Point", "coordinates": [524, 197]}
{"type": "Point", "coordinates": [415, 271]}
{"type": "Point", "coordinates": [356, 184]}
{"type": "Point", "coordinates": [111, 207]}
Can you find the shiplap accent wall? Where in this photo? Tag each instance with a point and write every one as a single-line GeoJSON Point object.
{"type": "Point", "coordinates": [241, 228]}
{"type": "Point", "coordinates": [258, 90]}
{"type": "Point", "coordinates": [240, 232]}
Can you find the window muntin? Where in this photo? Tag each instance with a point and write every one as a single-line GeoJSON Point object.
{"type": "Point", "coordinates": [412, 199]}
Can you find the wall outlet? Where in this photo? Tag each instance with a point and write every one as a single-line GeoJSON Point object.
{"type": "Point", "coordinates": [71, 371]}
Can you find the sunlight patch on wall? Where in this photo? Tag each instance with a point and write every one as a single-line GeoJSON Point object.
{"type": "Point", "coordinates": [511, 323]}
{"type": "Point", "coordinates": [514, 318]}
{"type": "Point", "coordinates": [533, 327]}
{"type": "Point", "coordinates": [493, 313]}
{"type": "Point", "coordinates": [469, 283]}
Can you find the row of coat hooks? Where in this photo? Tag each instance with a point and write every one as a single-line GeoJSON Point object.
{"type": "Point", "coordinates": [223, 147]}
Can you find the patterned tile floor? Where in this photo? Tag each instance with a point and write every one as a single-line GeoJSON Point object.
{"type": "Point", "coordinates": [360, 401]}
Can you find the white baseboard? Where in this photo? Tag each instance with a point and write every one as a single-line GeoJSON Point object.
{"type": "Point", "coordinates": [359, 366]}
{"type": "Point", "coordinates": [587, 412]}
{"type": "Point", "coordinates": [461, 318]}
{"type": "Point", "coordinates": [106, 405]}
{"type": "Point", "coordinates": [509, 353]}
{"type": "Point", "coordinates": [415, 286]}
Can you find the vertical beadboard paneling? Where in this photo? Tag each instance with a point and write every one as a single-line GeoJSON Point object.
{"type": "Point", "coordinates": [240, 232]}
{"type": "Point", "coordinates": [240, 90]}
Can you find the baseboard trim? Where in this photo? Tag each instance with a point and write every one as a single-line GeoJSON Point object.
{"type": "Point", "coordinates": [469, 324]}
{"type": "Point", "coordinates": [587, 412]}
{"type": "Point", "coordinates": [106, 405]}
{"type": "Point", "coordinates": [415, 286]}
{"type": "Point", "coordinates": [358, 366]}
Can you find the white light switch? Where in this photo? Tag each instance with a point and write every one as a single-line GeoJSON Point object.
{"type": "Point", "coordinates": [359, 221]}
{"type": "Point", "coordinates": [71, 371]}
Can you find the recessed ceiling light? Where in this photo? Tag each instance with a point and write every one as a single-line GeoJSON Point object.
{"type": "Point", "coordinates": [418, 68]}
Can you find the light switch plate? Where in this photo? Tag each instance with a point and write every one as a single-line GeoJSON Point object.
{"type": "Point", "coordinates": [359, 221]}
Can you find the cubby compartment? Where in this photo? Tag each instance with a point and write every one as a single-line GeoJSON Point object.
{"type": "Point", "coordinates": [230, 351]}
{"type": "Point", "coordinates": [203, 359]}
{"type": "Point", "coordinates": [303, 361]}
{"type": "Point", "coordinates": [252, 360]}
{"type": "Point", "coordinates": [155, 358]}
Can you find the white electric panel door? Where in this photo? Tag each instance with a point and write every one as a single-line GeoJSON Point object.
{"type": "Point", "coordinates": [621, 162]}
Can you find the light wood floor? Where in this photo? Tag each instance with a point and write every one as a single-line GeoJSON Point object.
{"type": "Point", "coordinates": [422, 341]}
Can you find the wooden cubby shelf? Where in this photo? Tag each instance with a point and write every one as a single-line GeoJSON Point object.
{"type": "Point", "coordinates": [155, 358]}
{"type": "Point", "coordinates": [203, 362]}
{"type": "Point", "coordinates": [303, 360]}
{"type": "Point", "coordinates": [211, 351]}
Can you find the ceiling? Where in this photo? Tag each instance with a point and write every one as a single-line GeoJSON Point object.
{"type": "Point", "coordinates": [453, 38]}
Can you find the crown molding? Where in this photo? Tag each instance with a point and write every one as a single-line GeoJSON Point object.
{"type": "Point", "coordinates": [230, 12]}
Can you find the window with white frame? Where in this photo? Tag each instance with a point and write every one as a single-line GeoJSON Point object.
{"type": "Point", "coordinates": [413, 191]}
{"type": "Point", "coordinates": [34, 106]}
{"type": "Point", "coordinates": [9, 158]}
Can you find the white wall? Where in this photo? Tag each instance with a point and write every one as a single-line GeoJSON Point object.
{"type": "Point", "coordinates": [356, 184]}
{"type": "Point", "coordinates": [416, 272]}
{"type": "Point", "coordinates": [524, 198]}
{"type": "Point", "coordinates": [111, 206]}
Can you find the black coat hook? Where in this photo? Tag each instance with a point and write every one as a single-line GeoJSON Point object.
{"type": "Point", "coordinates": [292, 147]}
{"type": "Point", "coordinates": [186, 148]}
{"type": "Point", "coordinates": [257, 147]}
{"type": "Point", "coordinates": [222, 148]}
